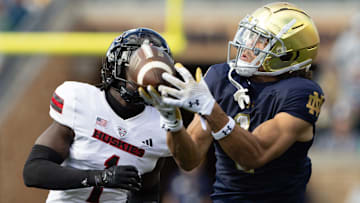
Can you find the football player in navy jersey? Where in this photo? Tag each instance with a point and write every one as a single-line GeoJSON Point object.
{"type": "Point", "coordinates": [104, 145]}
{"type": "Point", "coordinates": [259, 109]}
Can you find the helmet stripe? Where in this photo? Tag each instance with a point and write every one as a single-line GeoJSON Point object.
{"type": "Point", "coordinates": [147, 50]}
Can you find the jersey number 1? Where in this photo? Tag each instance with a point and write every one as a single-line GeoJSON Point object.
{"type": "Point", "coordinates": [96, 192]}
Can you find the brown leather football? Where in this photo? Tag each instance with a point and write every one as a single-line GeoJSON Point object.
{"type": "Point", "coordinates": [147, 64]}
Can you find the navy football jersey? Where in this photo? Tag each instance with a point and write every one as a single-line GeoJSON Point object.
{"type": "Point", "coordinates": [285, 177]}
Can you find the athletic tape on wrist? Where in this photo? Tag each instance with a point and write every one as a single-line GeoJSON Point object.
{"type": "Point", "coordinates": [225, 131]}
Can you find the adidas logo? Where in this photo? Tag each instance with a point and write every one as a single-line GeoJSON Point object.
{"type": "Point", "coordinates": [148, 142]}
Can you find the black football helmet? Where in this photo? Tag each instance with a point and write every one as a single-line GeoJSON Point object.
{"type": "Point", "coordinates": [113, 71]}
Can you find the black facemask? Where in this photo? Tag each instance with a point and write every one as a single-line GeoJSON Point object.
{"type": "Point", "coordinates": [130, 96]}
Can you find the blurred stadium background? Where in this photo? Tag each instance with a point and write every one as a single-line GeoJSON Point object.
{"type": "Point", "coordinates": [45, 42]}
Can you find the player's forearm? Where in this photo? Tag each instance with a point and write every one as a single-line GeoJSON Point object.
{"type": "Point", "coordinates": [243, 148]}
{"type": "Point", "coordinates": [240, 145]}
{"type": "Point", "coordinates": [45, 174]}
{"type": "Point", "coordinates": [183, 149]}
{"type": "Point", "coordinates": [42, 170]}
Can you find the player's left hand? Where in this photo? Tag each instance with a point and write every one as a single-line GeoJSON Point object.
{"type": "Point", "coordinates": [170, 119]}
{"type": "Point", "coordinates": [125, 177]}
{"type": "Point", "coordinates": [191, 95]}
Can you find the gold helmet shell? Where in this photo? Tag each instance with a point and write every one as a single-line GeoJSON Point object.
{"type": "Point", "coordinates": [291, 35]}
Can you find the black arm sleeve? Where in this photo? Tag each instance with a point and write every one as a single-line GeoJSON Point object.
{"type": "Point", "coordinates": [43, 170]}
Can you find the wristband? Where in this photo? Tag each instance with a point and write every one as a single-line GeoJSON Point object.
{"type": "Point", "coordinates": [225, 131]}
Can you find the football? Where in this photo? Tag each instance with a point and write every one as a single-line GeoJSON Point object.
{"type": "Point", "coordinates": [147, 64]}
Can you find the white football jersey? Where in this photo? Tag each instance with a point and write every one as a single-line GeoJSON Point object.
{"type": "Point", "coordinates": [103, 139]}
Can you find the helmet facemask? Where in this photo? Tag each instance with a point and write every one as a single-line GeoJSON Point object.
{"type": "Point", "coordinates": [256, 42]}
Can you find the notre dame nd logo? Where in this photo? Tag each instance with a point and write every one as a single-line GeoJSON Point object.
{"type": "Point", "coordinates": [314, 103]}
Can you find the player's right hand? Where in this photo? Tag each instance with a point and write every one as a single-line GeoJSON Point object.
{"type": "Point", "coordinates": [190, 93]}
{"type": "Point", "coordinates": [170, 116]}
{"type": "Point", "coordinates": [124, 177]}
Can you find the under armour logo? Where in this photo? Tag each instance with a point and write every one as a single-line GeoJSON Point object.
{"type": "Point", "coordinates": [169, 125]}
{"type": "Point", "coordinates": [163, 126]}
{"type": "Point", "coordinates": [168, 114]}
{"type": "Point", "coordinates": [148, 142]}
{"type": "Point", "coordinates": [227, 130]}
{"type": "Point", "coordinates": [194, 103]}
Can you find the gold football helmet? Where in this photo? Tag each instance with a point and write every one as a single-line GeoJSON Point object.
{"type": "Point", "coordinates": [282, 38]}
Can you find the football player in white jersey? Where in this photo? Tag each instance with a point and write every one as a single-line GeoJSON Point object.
{"type": "Point", "coordinates": [104, 145]}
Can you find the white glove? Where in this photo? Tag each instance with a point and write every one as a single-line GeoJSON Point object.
{"type": "Point", "coordinates": [170, 116]}
{"type": "Point", "coordinates": [190, 95]}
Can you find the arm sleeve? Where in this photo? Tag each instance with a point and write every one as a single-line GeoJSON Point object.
{"type": "Point", "coordinates": [43, 170]}
{"type": "Point", "coordinates": [62, 105]}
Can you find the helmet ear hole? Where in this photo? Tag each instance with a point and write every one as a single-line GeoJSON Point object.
{"type": "Point", "coordinates": [287, 57]}
{"type": "Point", "coordinates": [291, 56]}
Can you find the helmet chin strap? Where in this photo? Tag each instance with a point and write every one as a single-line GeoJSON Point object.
{"type": "Point", "coordinates": [240, 95]}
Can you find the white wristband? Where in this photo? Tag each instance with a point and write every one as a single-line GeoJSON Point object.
{"type": "Point", "coordinates": [225, 131]}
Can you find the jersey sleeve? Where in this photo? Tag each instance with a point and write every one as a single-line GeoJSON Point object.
{"type": "Point", "coordinates": [304, 103]}
{"type": "Point", "coordinates": [62, 105]}
{"type": "Point", "coordinates": [213, 81]}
